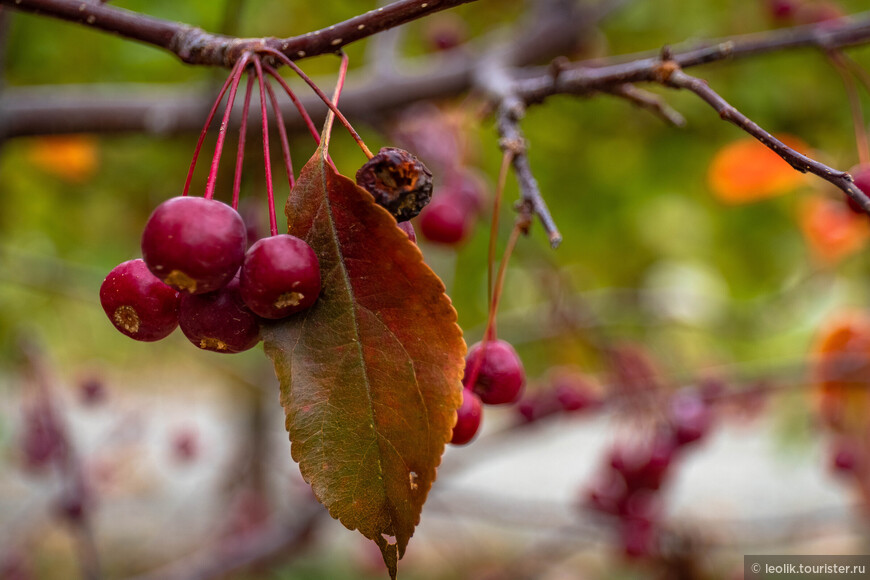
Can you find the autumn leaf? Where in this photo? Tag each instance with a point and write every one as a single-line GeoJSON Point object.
{"type": "Point", "coordinates": [842, 372]}
{"type": "Point", "coordinates": [746, 170]}
{"type": "Point", "coordinates": [831, 229]}
{"type": "Point", "coordinates": [73, 158]}
{"type": "Point", "coordinates": [371, 374]}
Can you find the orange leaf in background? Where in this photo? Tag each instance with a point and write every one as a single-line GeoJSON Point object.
{"type": "Point", "coordinates": [73, 158]}
{"type": "Point", "coordinates": [746, 171]}
{"type": "Point", "coordinates": [842, 372]}
{"type": "Point", "coordinates": [831, 229]}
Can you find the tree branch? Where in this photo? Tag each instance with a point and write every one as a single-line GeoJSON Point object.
{"type": "Point", "coordinates": [196, 46]}
{"type": "Point", "coordinates": [583, 78]}
{"type": "Point", "coordinates": [679, 80]}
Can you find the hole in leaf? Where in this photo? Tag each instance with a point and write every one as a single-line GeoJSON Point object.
{"type": "Point", "coordinates": [391, 540]}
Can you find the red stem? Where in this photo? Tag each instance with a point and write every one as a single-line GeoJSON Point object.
{"type": "Point", "coordinates": [312, 128]}
{"type": "Point", "coordinates": [282, 131]}
{"type": "Point", "coordinates": [240, 154]}
{"type": "Point", "coordinates": [490, 333]}
{"type": "Point", "coordinates": [270, 193]}
{"type": "Point", "coordinates": [205, 129]}
{"type": "Point", "coordinates": [341, 118]}
{"type": "Point", "coordinates": [236, 76]}
{"type": "Point", "coordinates": [330, 117]}
{"type": "Point", "coordinates": [507, 158]}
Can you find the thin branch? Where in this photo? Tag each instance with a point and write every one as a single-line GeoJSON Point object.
{"type": "Point", "coordinates": [650, 102]}
{"type": "Point", "coordinates": [678, 79]}
{"type": "Point", "coordinates": [196, 46]}
{"type": "Point", "coordinates": [585, 77]}
{"type": "Point", "coordinates": [513, 142]}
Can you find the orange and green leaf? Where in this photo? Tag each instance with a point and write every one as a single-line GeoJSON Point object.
{"type": "Point", "coordinates": [73, 158]}
{"type": "Point", "coordinates": [831, 229]}
{"type": "Point", "coordinates": [371, 374]}
{"type": "Point", "coordinates": [842, 372]}
{"type": "Point", "coordinates": [745, 171]}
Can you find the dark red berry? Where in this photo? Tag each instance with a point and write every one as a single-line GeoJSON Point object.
{"type": "Point", "coordinates": [468, 418]}
{"type": "Point", "coordinates": [194, 244]}
{"type": "Point", "coordinates": [398, 181]}
{"type": "Point", "coordinates": [446, 220]}
{"type": "Point", "coordinates": [538, 405]}
{"type": "Point", "coordinates": [92, 391]}
{"type": "Point", "coordinates": [861, 177]}
{"type": "Point", "coordinates": [644, 465]}
{"type": "Point", "coordinates": [781, 10]}
{"type": "Point", "coordinates": [280, 276]}
{"type": "Point", "coordinates": [408, 228]}
{"type": "Point", "coordinates": [574, 392]}
{"type": "Point", "coordinates": [185, 445]}
{"type": "Point", "coordinates": [137, 303]}
{"type": "Point", "coordinates": [446, 32]}
{"type": "Point", "coordinates": [638, 537]}
{"type": "Point", "coordinates": [500, 375]}
{"type": "Point", "coordinates": [469, 186]}
{"type": "Point", "coordinates": [219, 321]}
{"type": "Point", "coordinates": [690, 417]}
{"type": "Point", "coordinates": [609, 493]}
{"type": "Point", "coordinates": [846, 456]}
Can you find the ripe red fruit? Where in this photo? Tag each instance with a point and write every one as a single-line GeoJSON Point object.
{"type": "Point", "coordinates": [280, 276]}
{"type": "Point", "coordinates": [468, 418]}
{"type": "Point", "coordinates": [574, 392]}
{"type": "Point", "coordinates": [690, 417]}
{"type": "Point", "coordinates": [469, 186]}
{"type": "Point", "coordinates": [446, 220]}
{"type": "Point", "coordinates": [500, 375]}
{"type": "Point", "coordinates": [861, 177]}
{"type": "Point", "coordinates": [137, 303]}
{"type": "Point", "coordinates": [781, 10]}
{"type": "Point", "coordinates": [219, 321]}
{"type": "Point", "coordinates": [644, 465]}
{"type": "Point", "coordinates": [194, 244]}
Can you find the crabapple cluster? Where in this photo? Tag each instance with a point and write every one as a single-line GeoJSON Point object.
{"type": "Point", "coordinates": [196, 273]}
{"type": "Point", "coordinates": [494, 375]}
{"type": "Point", "coordinates": [564, 392]}
{"type": "Point", "coordinates": [627, 488]}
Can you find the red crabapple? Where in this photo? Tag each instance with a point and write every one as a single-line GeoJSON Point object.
{"type": "Point", "coordinates": [194, 244]}
{"type": "Point", "coordinates": [137, 303]}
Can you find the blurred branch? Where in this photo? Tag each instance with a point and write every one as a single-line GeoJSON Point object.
{"type": "Point", "coordinates": [277, 541]}
{"type": "Point", "coordinates": [74, 504]}
{"type": "Point", "coordinates": [196, 46]}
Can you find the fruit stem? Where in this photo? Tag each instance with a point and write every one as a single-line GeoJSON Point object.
{"type": "Point", "coordinates": [208, 121]}
{"type": "Point", "coordinates": [240, 154]}
{"type": "Point", "coordinates": [489, 334]}
{"type": "Point", "coordinates": [506, 160]}
{"type": "Point", "coordinates": [499, 282]}
{"type": "Point", "coordinates": [836, 58]}
{"type": "Point", "coordinates": [222, 134]}
{"type": "Point", "coordinates": [282, 132]}
{"type": "Point", "coordinates": [312, 128]}
{"type": "Point", "coordinates": [270, 193]}
{"type": "Point", "coordinates": [330, 117]}
{"type": "Point", "coordinates": [341, 118]}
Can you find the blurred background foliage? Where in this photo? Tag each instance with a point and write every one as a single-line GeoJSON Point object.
{"type": "Point", "coordinates": [650, 252]}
